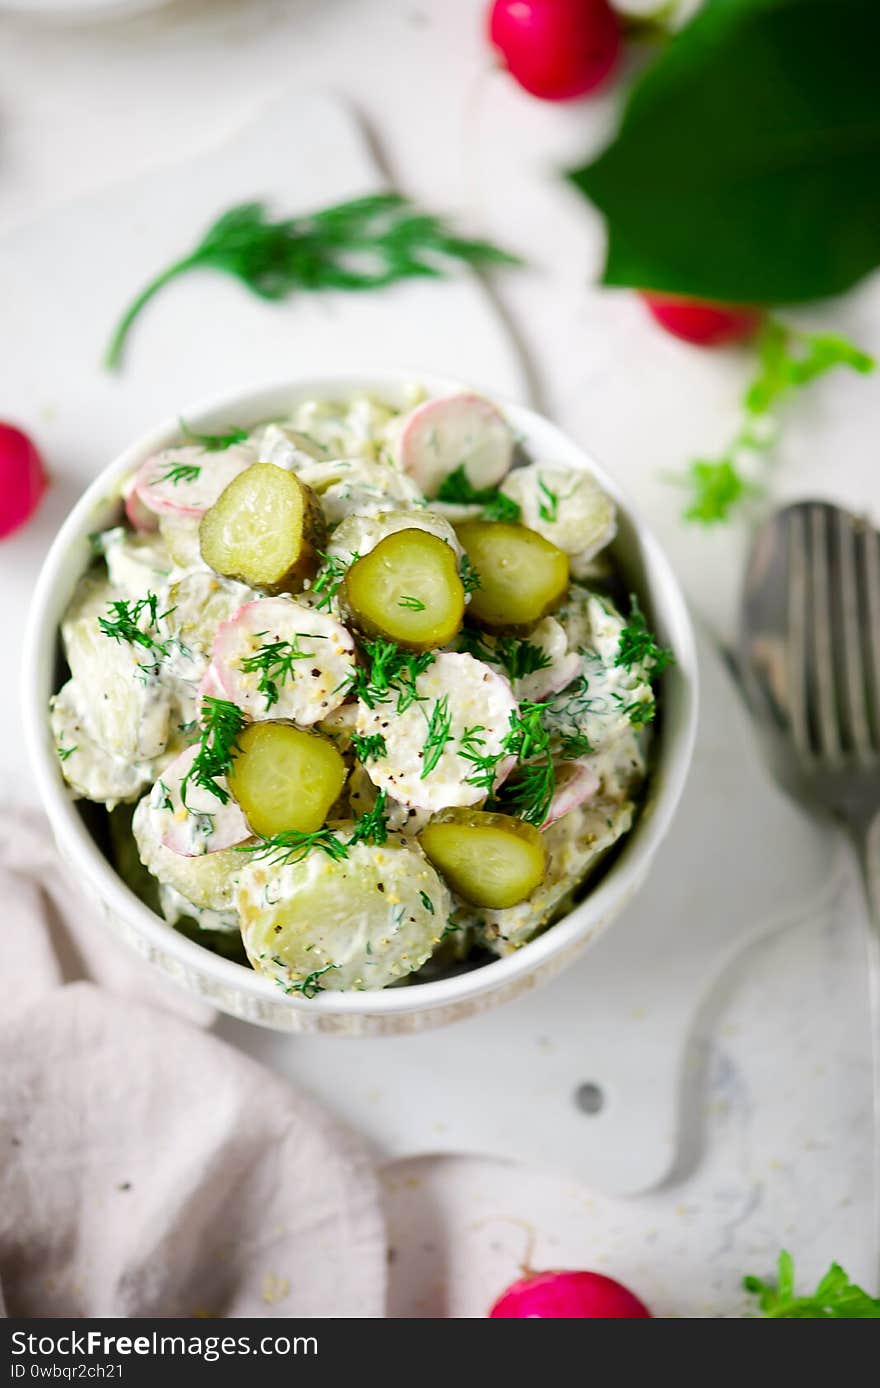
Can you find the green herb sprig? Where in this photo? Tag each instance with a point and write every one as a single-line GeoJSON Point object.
{"type": "Point", "coordinates": [220, 724]}
{"type": "Point", "coordinates": [439, 734]}
{"type": "Point", "coordinates": [835, 1297]}
{"type": "Point", "coordinates": [519, 657]}
{"type": "Point", "coordinates": [329, 577]}
{"type": "Point", "coordinates": [388, 672]}
{"type": "Point", "coordinates": [638, 645]}
{"type": "Point", "coordinates": [788, 360]}
{"type": "Point", "coordinates": [458, 489]}
{"type": "Point", "coordinates": [362, 244]}
{"type": "Point", "coordinates": [275, 662]}
{"type": "Point", "coordinates": [126, 624]}
{"type": "Point", "coordinates": [368, 748]}
{"type": "Point", "coordinates": [372, 825]}
{"type": "Point", "coordinates": [213, 443]}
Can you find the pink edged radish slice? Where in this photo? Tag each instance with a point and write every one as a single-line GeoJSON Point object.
{"type": "Point", "coordinates": [135, 510]}
{"type": "Point", "coordinates": [277, 659]}
{"type": "Point", "coordinates": [576, 782]}
{"type": "Point", "coordinates": [556, 678]}
{"type": "Point", "coordinates": [455, 431]}
{"type": "Point", "coordinates": [22, 479]}
{"type": "Point", "coordinates": [183, 482]}
{"type": "Point", "coordinates": [190, 820]}
{"type": "Point", "coordinates": [210, 687]}
{"type": "Point", "coordinates": [568, 1296]}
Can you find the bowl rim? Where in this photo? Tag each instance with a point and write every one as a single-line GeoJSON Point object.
{"type": "Point", "coordinates": [80, 849]}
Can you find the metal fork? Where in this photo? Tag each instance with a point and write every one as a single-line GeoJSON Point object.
{"type": "Point", "coordinates": [809, 652]}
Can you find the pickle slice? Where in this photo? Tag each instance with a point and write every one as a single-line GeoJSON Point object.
{"type": "Point", "coordinates": [490, 860]}
{"type": "Point", "coordinates": [265, 529]}
{"type": "Point", "coordinates": [285, 779]}
{"type": "Point", "coordinates": [522, 575]}
{"type": "Point", "coordinates": [408, 590]}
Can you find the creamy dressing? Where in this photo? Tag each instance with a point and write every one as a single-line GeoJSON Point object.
{"type": "Point", "coordinates": [126, 724]}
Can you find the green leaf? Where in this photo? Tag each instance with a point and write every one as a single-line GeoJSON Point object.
{"type": "Point", "coordinates": [836, 1297]}
{"type": "Point", "coordinates": [745, 168]}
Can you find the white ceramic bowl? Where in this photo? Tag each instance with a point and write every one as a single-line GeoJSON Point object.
{"type": "Point", "coordinates": [238, 990]}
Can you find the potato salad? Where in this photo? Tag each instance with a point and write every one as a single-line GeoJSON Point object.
{"type": "Point", "coordinates": [360, 690]}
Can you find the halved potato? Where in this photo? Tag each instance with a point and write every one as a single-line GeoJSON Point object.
{"type": "Point", "coordinates": [265, 529]}
{"type": "Point", "coordinates": [407, 590]}
{"type": "Point", "coordinates": [285, 779]}
{"type": "Point", "coordinates": [522, 575]}
{"type": "Point", "coordinates": [490, 860]}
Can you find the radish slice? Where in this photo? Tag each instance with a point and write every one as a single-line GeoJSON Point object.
{"type": "Point", "coordinates": [568, 1296]}
{"type": "Point", "coordinates": [576, 782]}
{"type": "Point", "coordinates": [211, 687]}
{"type": "Point", "coordinates": [190, 820]}
{"type": "Point", "coordinates": [135, 510]}
{"type": "Point", "coordinates": [184, 482]}
{"type": "Point", "coordinates": [451, 432]}
{"type": "Point", "coordinates": [319, 663]}
{"type": "Point", "coordinates": [22, 479]}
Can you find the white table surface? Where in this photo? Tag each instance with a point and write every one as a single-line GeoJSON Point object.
{"type": "Point", "coordinates": [779, 1146]}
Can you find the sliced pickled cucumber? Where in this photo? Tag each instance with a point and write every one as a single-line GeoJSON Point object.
{"type": "Point", "coordinates": [522, 575]}
{"type": "Point", "coordinates": [285, 779]}
{"type": "Point", "coordinates": [488, 859]}
{"type": "Point", "coordinates": [265, 529]}
{"type": "Point", "coordinates": [408, 590]}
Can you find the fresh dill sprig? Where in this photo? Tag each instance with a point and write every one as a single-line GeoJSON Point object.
{"type": "Point", "coordinates": [180, 472]}
{"type": "Point", "coordinates": [65, 752]}
{"type": "Point", "coordinates": [311, 985]}
{"type": "Point", "coordinates": [220, 724]}
{"type": "Point", "coordinates": [126, 623]}
{"type": "Point", "coordinates": [365, 243]}
{"type": "Point", "coordinates": [389, 671]}
{"type": "Point", "coordinates": [514, 654]}
{"type": "Point", "coordinates": [533, 784]}
{"type": "Point", "coordinates": [439, 733]}
{"type": "Point", "coordinates": [638, 646]}
{"type": "Point", "coordinates": [291, 846]}
{"type": "Point", "coordinates": [835, 1298]}
{"type": "Point", "coordinates": [368, 748]}
{"type": "Point", "coordinates": [640, 712]}
{"type": "Point", "coordinates": [329, 577]}
{"type": "Point", "coordinates": [574, 745]}
{"type": "Point", "coordinates": [274, 662]}
{"type": "Point", "coordinates": [163, 801]}
{"type": "Point", "coordinates": [458, 489]}
{"type": "Point", "coordinates": [469, 574]}
{"type": "Point", "coordinates": [411, 603]}
{"type": "Point", "coordinates": [213, 443]}
{"type": "Point", "coordinates": [471, 748]}
{"type": "Point", "coordinates": [427, 903]}
{"type": "Point", "coordinates": [372, 825]}
{"type": "Point", "coordinates": [548, 506]}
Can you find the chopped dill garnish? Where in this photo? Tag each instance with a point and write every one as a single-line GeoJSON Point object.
{"type": "Point", "coordinates": [65, 752]}
{"type": "Point", "coordinates": [426, 902]}
{"type": "Point", "coordinates": [412, 604]}
{"type": "Point", "coordinates": [220, 722]}
{"type": "Point", "coordinates": [533, 783]}
{"type": "Point", "coordinates": [389, 671]}
{"type": "Point", "coordinates": [469, 574]}
{"type": "Point", "coordinates": [439, 733]}
{"type": "Point", "coordinates": [292, 846]}
{"type": "Point", "coordinates": [126, 623]}
{"type": "Point", "coordinates": [638, 646]}
{"type": "Point", "coordinates": [372, 826]}
{"type": "Point", "coordinates": [274, 661]}
{"type": "Point", "coordinates": [329, 577]}
{"type": "Point", "coordinates": [574, 745]}
{"type": "Point", "coordinates": [470, 748]}
{"type": "Point", "coordinates": [163, 801]}
{"type": "Point", "coordinates": [213, 443]}
{"type": "Point", "coordinates": [180, 472]}
{"type": "Point", "coordinates": [368, 748]}
{"type": "Point", "coordinates": [548, 506]}
{"type": "Point", "coordinates": [310, 986]}
{"type": "Point", "coordinates": [639, 711]}
{"type": "Point", "coordinates": [458, 489]}
{"type": "Point", "coordinates": [517, 656]}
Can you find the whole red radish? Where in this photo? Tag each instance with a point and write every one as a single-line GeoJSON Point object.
{"type": "Point", "coordinates": [704, 324]}
{"type": "Point", "coordinates": [22, 479]}
{"type": "Point", "coordinates": [556, 49]}
{"type": "Point", "coordinates": [568, 1296]}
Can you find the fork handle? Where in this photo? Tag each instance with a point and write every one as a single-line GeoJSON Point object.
{"type": "Point", "coordinates": [867, 841]}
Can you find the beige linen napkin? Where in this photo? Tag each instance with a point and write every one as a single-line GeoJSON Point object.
{"type": "Point", "coordinates": [146, 1168]}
